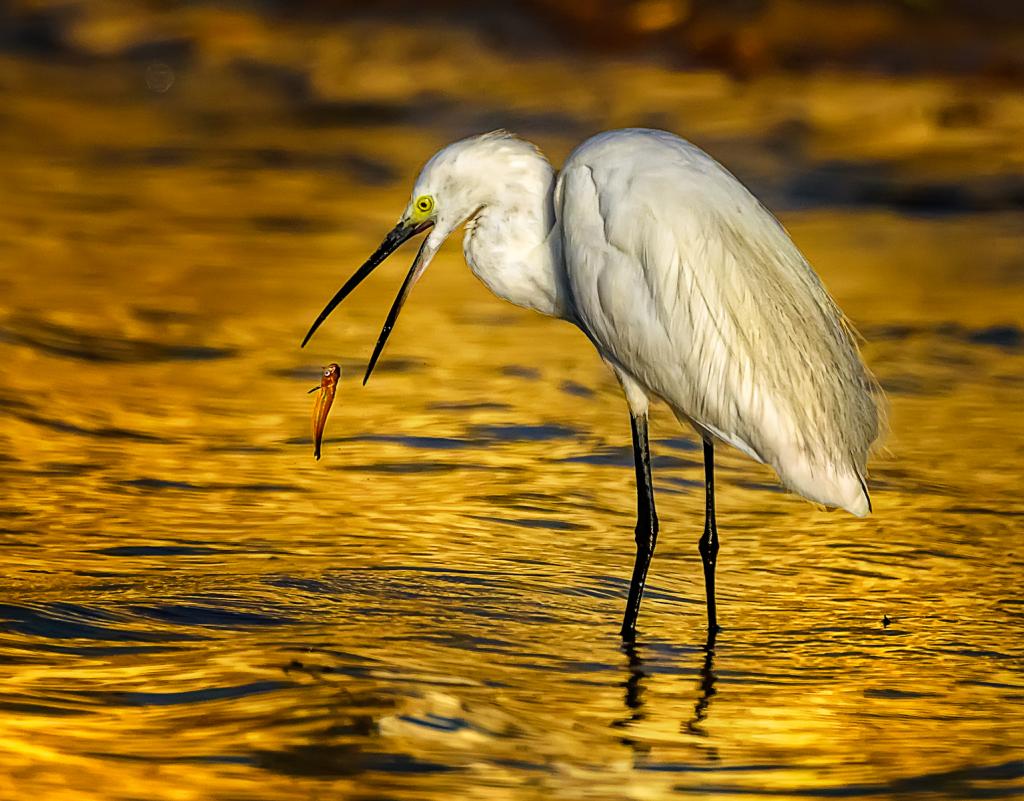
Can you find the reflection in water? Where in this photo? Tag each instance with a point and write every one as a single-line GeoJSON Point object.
{"type": "Point", "coordinates": [707, 689]}
{"type": "Point", "coordinates": [636, 675]}
{"type": "Point", "coordinates": [636, 706]}
{"type": "Point", "coordinates": [445, 588]}
{"type": "Point", "coordinates": [634, 702]}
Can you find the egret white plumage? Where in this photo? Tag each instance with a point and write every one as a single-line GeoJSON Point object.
{"type": "Point", "coordinates": [691, 291]}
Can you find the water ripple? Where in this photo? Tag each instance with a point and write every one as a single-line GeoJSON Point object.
{"type": "Point", "coordinates": [58, 340]}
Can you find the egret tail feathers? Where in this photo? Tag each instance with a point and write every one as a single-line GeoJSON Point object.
{"type": "Point", "coordinates": [824, 482]}
{"type": "Point", "coordinates": [830, 485]}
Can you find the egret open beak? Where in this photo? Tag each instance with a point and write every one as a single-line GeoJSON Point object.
{"type": "Point", "coordinates": [405, 230]}
{"type": "Point", "coordinates": [419, 265]}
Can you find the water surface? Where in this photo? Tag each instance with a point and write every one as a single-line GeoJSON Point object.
{"type": "Point", "coordinates": [192, 607]}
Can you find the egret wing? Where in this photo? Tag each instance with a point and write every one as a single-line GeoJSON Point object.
{"type": "Point", "coordinates": [688, 284]}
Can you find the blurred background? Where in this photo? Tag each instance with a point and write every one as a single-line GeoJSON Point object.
{"type": "Point", "coordinates": [191, 607]}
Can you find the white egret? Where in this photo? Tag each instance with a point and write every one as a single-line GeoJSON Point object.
{"type": "Point", "coordinates": [691, 291]}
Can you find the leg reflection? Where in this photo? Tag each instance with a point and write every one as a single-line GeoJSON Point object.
{"type": "Point", "coordinates": [636, 706]}
{"type": "Point", "coordinates": [634, 688]}
{"type": "Point", "coordinates": [634, 697]}
{"type": "Point", "coordinates": [707, 689]}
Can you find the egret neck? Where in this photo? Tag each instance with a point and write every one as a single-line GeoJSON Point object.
{"type": "Point", "coordinates": [513, 243]}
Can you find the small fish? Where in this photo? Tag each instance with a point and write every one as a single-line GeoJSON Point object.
{"type": "Point", "coordinates": [322, 407]}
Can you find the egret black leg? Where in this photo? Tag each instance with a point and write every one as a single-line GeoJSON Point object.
{"type": "Point", "coordinates": [708, 544]}
{"type": "Point", "coordinates": [646, 524]}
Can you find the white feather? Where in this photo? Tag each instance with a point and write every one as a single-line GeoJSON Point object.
{"type": "Point", "coordinates": [686, 282]}
{"type": "Point", "coordinates": [686, 285]}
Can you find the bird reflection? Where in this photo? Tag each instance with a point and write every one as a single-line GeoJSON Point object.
{"type": "Point", "coordinates": [634, 697]}
{"type": "Point", "coordinates": [634, 688]}
{"type": "Point", "coordinates": [707, 689]}
{"type": "Point", "coordinates": [635, 705]}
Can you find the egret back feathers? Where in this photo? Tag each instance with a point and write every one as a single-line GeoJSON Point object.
{"type": "Point", "coordinates": [687, 283]}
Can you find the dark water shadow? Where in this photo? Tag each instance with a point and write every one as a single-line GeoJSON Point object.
{"type": "Point", "coordinates": [467, 406]}
{"type": "Point", "coordinates": [353, 167]}
{"type": "Point", "coordinates": [622, 456]}
{"type": "Point", "coordinates": [21, 409]}
{"type": "Point", "coordinates": [297, 224]}
{"type": "Point", "coordinates": [531, 522]}
{"type": "Point", "coordinates": [318, 112]}
{"type": "Point", "coordinates": [100, 432]}
{"type": "Point", "coordinates": [67, 621]}
{"type": "Point", "coordinates": [520, 371]}
{"type": "Point", "coordinates": [1002, 780]}
{"type": "Point", "coordinates": [866, 183]}
{"type": "Point", "coordinates": [409, 441]}
{"type": "Point", "coordinates": [186, 697]}
{"type": "Point", "coordinates": [210, 613]}
{"type": "Point", "coordinates": [163, 551]}
{"type": "Point", "coordinates": [66, 342]}
{"type": "Point", "coordinates": [414, 467]}
{"type": "Point", "coordinates": [339, 759]}
{"type": "Point", "coordinates": [150, 484]}
{"type": "Point", "coordinates": [1006, 337]}
{"type": "Point", "coordinates": [523, 433]}
{"type": "Point", "coordinates": [576, 390]}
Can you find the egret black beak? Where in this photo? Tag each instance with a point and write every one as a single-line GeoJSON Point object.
{"type": "Point", "coordinates": [398, 235]}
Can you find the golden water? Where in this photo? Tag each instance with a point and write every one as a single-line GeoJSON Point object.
{"type": "Point", "coordinates": [193, 608]}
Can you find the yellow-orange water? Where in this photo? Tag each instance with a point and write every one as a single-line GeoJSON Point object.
{"type": "Point", "coordinates": [193, 608]}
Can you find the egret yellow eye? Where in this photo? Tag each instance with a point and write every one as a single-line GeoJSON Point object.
{"type": "Point", "coordinates": [425, 204]}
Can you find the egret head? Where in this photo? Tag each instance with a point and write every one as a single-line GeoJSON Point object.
{"type": "Point", "coordinates": [458, 182]}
